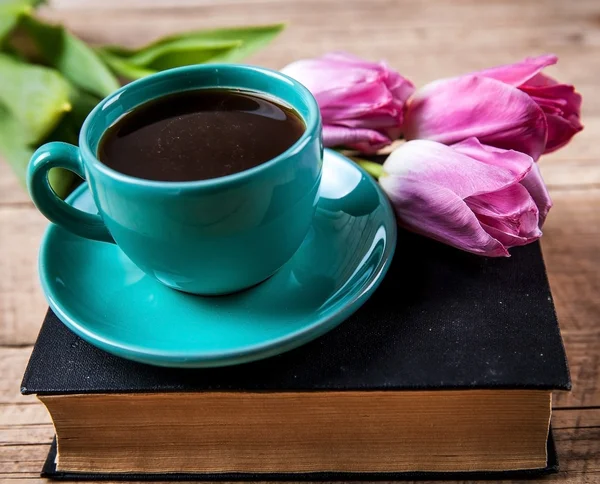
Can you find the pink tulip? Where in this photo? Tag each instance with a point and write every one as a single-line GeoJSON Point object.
{"type": "Point", "coordinates": [361, 102]}
{"type": "Point", "coordinates": [452, 110]}
{"type": "Point", "coordinates": [471, 196]}
{"type": "Point", "coordinates": [560, 103]}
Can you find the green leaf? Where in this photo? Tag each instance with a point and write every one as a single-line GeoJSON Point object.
{"type": "Point", "coordinates": [64, 181]}
{"type": "Point", "coordinates": [218, 45]}
{"type": "Point", "coordinates": [122, 67]}
{"type": "Point", "coordinates": [66, 131]}
{"type": "Point", "coordinates": [37, 96]}
{"type": "Point", "coordinates": [69, 126]}
{"type": "Point", "coordinates": [71, 56]}
{"type": "Point", "coordinates": [16, 150]}
{"type": "Point", "coordinates": [82, 102]}
{"type": "Point", "coordinates": [252, 38]}
{"type": "Point", "coordinates": [182, 52]}
{"type": "Point", "coordinates": [8, 20]}
{"type": "Point", "coordinates": [13, 143]}
{"type": "Point", "coordinates": [10, 13]}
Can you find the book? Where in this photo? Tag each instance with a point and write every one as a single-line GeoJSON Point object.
{"type": "Point", "coordinates": [448, 370]}
{"type": "Point", "coordinates": [49, 471]}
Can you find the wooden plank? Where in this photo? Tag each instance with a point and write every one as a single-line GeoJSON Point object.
{"type": "Point", "coordinates": [13, 362]}
{"type": "Point", "coordinates": [560, 174]}
{"type": "Point", "coordinates": [498, 14]}
{"type": "Point", "coordinates": [575, 165]}
{"type": "Point", "coordinates": [496, 34]}
{"type": "Point", "coordinates": [583, 353]}
{"type": "Point", "coordinates": [360, 26]}
{"type": "Point", "coordinates": [28, 416]}
{"type": "Point", "coordinates": [577, 438]}
{"type": "Point", "coordinates": [570, 246]}
{"type": "Point", "coordinates": [22, 304]}
{"type": "Point", "coordinates": [24, 460]}
{"type": "Point", "coordinates": [11, 191]}
{"type": "Point", "coordinates": [566, 419]}
{"type": "Point", "coordinates": [25, 427]}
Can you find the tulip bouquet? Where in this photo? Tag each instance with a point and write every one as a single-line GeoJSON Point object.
{"type": "Point", "coordinates": [467, 172]}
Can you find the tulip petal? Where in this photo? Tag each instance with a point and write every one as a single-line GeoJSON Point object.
{"type": "Point", "coordinates": [511, 212]}
{"type": "Point", "coordinates": [340, 81]}
{"type": "Point", "coordinates": [560, 103]}
{"type": "Point", "coordinates": [346, 93]}
{"type": "Point", "coordinates": [508, 206]}
{"type": "Point", "coordinates": [400, 87]}
{"type": "Point", "coordinates": [519, 72]}
{"type": "Point", "coordinates": [437, 212]}
{"type": "Point", "coordinates": [364, 140]}
{"type": "Point", "coordinates": [536, 187]}
{"type": "Point", "coordinates": [508, 239]}
{"type": "Point", "coordinates": [451, 110]}
{"type": "Point", "coordinates": [560, 131]}
{"type": "Point", "coordinates": [347, 58]}
{"type": "Point", "coordinates": [355, 95]}
{"type": "Point", "coordinates": [562, 106]}
{"type": "Point", "coordinates": [468, 195]}
{"type": "Point", "coordinates": [373, 121]}
{"type": "Point", "coordinates": [559, 95]}
{"type": "Point", "coordinates": [516, 162]}
{"type": "Point", "coordinates": [361, 100]}
{"type": "Point", "coordinates": [541, 80]}
{"type": "Point", "coordinates": [328, 79]}
{"type": "Point", "coordinates": [435, 163]}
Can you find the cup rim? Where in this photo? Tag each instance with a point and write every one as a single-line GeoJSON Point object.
{"type": "Point", "coordinates": [313, 123]}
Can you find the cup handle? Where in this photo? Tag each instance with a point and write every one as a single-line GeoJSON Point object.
{"type": "Point", "coordinates": [62, 155]}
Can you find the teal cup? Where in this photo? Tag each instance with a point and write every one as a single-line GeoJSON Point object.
{"type": "Point", "coordinates": [208, 237]}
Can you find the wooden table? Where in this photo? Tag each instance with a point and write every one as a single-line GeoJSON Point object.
{"type": "Point", "coordinates": [424, 41]}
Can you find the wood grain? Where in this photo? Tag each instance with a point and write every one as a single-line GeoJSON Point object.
{"type": "Point", "coordinates": [425, 41]}
{"type": "Point", "coordinates": [570, 245]}
{"type": "Point", "coordinates": [22, 304]}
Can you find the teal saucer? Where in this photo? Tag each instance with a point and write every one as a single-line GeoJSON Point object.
{"type": "Point", "coordinates": [104, 298]}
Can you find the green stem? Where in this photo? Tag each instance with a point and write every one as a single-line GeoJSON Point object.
{"type": "Point", "coordinates": [372, 168]}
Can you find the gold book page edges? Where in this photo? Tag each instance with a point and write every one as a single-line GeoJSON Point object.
{"type": "Point", "coordinates": [378, 431]}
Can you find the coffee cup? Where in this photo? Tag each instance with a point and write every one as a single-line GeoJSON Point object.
{"type": "Point", "coordinates": [208, 237]}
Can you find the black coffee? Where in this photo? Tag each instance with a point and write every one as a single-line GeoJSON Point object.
{"type": "Point", "coordinates": [196, 135]}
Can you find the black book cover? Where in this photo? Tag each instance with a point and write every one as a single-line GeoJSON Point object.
{"type": "Point", "coordinates": [441, 319]}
